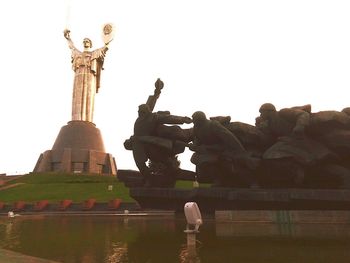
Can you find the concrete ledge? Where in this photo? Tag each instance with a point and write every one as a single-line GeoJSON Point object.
{"type": "Point", "coordinates": [10, 256]}
{"type": "Point", "coordinates": [271, 230]}
{"type": "Point", "coordinates": [284, 216]}
{"type": "Point", "coordinates": [213, 199]}
{"type": "Point", "coordinates": [98, 207]}
{"type": "Point", "coordinates": [158, 213]}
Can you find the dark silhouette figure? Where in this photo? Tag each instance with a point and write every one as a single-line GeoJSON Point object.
{"type": "Point", "coordinates": [295, 158]}
{"type": "Point", "coordinates": [219, 156]}
{"type": "Point", "coordinates": [156, 145]}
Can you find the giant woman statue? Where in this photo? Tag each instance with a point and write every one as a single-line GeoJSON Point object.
{"type": "Point", "coordinates": [87, 66]}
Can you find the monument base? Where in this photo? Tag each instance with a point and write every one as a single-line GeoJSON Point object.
{"type": "Point", "coordinates": [213, 199]}
{"type": "Point", "coordinates": [78, 148]}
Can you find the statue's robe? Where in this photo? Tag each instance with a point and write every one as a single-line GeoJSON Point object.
{"type": "Point", "coordinates": [87, 67]}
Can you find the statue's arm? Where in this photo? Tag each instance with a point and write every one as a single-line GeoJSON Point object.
{"type": "Point", "coordinates": [172, 119]}
{"type": "Point", "coordinates": [66, 34]}
{"type": "Point", "coordinates": [97, 58]}
{"type": "Point", "coordinates": [301, 117]}
{"type": "Point", "coordinates": [227, 138]}
{"type": "Point", "coordinates": [152, 99]}
{"type": "Point", "coordinates": [100, 53]}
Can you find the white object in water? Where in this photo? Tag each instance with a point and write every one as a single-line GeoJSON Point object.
{"type": "Point", "coordinates": [11, 214]}
{"type": "Point", "coordinates": [193, 216]}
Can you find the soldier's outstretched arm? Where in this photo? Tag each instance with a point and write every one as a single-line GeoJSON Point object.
{"type": "Point", "coordinates": [173, 119]}
{"type": "Point", "coordinates": [152, 99]}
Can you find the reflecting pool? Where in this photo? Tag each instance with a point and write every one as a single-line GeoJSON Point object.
{"type": "Point", "coordinates": [91, 239]}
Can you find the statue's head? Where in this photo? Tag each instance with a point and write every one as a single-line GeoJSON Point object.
{"type": "Point", "coordinates": [261, 123]}
{"type": "Point", "coordinates": [144, 110]}
{"type": "Point", "coordinates": [267, 109]}
{"type": "Point", "coordinates": [87, 43]}
{"type": "Point", "coordinates": [346, 110]}
{"type": "Point", "coordinates": [198, 117]}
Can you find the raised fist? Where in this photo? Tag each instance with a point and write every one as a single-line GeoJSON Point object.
{"type": "Point", "coordinates": [187, 120]}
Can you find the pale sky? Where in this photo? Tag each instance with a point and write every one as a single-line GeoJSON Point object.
{"type": "Point", "coordinates": [221, 57]}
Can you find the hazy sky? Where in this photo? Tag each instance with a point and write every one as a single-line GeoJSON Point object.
{"type": "Point", "coordinates": [221, 57]}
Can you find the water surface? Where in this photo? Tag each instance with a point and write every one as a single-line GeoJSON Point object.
{"type": "Point", "coordinates": [161, 239]}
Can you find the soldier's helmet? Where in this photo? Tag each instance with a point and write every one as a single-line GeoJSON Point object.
{"type": "Point", "coordinates": [346, 110]}
{"type": "Point", "coordinates": [266, 107]}
{"type": "Point", "coordinates": [198, 116]}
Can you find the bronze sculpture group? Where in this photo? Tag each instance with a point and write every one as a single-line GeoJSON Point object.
{"type": "Point", "coordinates": [155, 145]}
{"type": "Point", "coordinates": [290, 148]}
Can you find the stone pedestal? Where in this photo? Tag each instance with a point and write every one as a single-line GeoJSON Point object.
{"type": "Point", "coordinates": [78, 148]}
{"type": "Point", "coordinates": [214, 199]}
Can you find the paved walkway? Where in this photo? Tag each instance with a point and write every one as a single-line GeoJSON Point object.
{"type": "Point", "coordinates": [13, 257]}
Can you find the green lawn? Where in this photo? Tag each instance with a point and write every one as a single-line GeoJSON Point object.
{"type": "Point", "coordinates": [57, 187]}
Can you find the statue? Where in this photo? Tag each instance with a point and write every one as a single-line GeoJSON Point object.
{"type": "Point", "coordinates": [332, 129]}
{"type": "Point", "coordinates": [155, 145]}
{"type": "Point", "coordinates": [298, 159]}
{"type": "Point", "coordinates": [219, 156]}
{"type": "Point", "coordinates": [252, 139]}
{"type": "Point", "coordinates": [87, 66]}
{"type": "Point", "coordinates": [295, 157]}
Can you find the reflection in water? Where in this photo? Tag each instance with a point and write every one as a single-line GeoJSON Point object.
{"type": "Point", "coordinates": [118, 253]}
{"type": "Point", "coordinates": [230, 229]}
{"type": "Point", "coordinates": [9, 234]}
{"type": "Point", "coordinates": [111, 239]}
{"type": "Point", "coordinates": [188, 254]}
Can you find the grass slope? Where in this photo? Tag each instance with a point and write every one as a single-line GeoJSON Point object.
{"type": "Point", "coordinates": [57, 187]}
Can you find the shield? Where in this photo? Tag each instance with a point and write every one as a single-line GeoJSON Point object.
{"type": "Point", "coordinates": [108, 31]}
